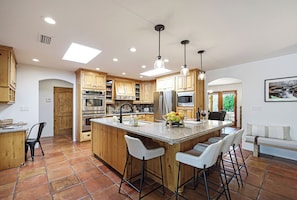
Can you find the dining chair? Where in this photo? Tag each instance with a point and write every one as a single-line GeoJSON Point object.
{"type": "Point", "coordinates": [31, 142]}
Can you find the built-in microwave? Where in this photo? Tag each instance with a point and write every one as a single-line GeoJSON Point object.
{"type": "Point", "coordinates": [185, 98]}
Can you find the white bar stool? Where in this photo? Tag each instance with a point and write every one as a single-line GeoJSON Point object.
{"type": "Point", "coordinates": [225, 148]}
{"type": "Point", "coordinates": [235, 143]}
{"type": "Point", "coordinates": [203, 161]}
{"type": "Point", "coordinates": [137, 149]}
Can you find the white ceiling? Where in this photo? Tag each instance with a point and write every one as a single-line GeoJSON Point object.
{"type": "Point", "coordinates": [231, 32]}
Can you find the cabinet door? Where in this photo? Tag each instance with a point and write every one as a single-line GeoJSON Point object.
{"type": "Point", "coordinates": [166, 83]}
{"type": "Point", "coordinates": [12, 70]}
{"type": "Point", "coordinates": [126, 88]}
{"type": "Point", "coordinates": [4, 73]}
{"type": "Point", "coordinates": [188, 111]}
{"type": "Point", "coordinates": [94, 80]}
{"type": "Point", "coordinates": [185, 83]}
{"type": "Point", "coordinates": [148, 88]}
{"type": "Point", "coordinates": [149, 117]}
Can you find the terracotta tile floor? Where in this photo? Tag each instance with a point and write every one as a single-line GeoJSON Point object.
{"type": "Point", "coordinates": [70, 171]}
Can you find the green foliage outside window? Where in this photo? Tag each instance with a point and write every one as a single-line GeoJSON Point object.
{"type": "Point", "coordinates": [228, 102]}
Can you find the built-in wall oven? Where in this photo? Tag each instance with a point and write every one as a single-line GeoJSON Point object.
{"type": "Point", "coordinates": [93, 106]}
{"type": "Point", "coordinates": [93, 101]}
{"type": "Point", "coordinates": [86, 123]}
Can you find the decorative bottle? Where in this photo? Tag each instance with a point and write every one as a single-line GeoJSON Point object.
{"type": "Point", "coordinates": [198, 115]}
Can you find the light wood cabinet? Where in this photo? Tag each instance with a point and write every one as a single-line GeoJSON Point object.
{"type": "Point", "coordinates": [148, 89]}
{"type": "Point", "coordinates": [125, 90]}
{"type": "Point", "coordinates": [7, 75]}
{"type": "Point", "coordinates": [93, 80]}
{"type": "Point", "coordinates": [165, 83]}
{"type": "Point", "coordinates": [12, 148]}
{"type": "Point", "coordinates": [185, 83]}
{"type": "Point", "coordinates": [138, 93]}
{"type": "Point", "coordinates": [108, 143]}
{"type": "Point", "coordinates": [141, 117]}
{"type": "Point", "coordinates": [188, 111]}
{"type": "Point", "coordinates": [149, 117]}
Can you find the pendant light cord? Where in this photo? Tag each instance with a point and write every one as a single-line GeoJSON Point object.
{"type": "Point", "coordinates": [201, 60]}
{"type": "Point", "coordinates": [185, 55]}
{"type": "Point", "coordinates": [159, 44]}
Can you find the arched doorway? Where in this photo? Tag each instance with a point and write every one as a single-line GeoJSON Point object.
{"type": "Point", "coordinates": [225, 94]}
{"type": "Point", "coordinates": [47, 103]}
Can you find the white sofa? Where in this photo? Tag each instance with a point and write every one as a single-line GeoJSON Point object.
{"type": "Point", "coordinates": [269, 135]}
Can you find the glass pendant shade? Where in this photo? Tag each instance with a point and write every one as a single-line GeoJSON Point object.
{"type": "Point", "coordinates": [159, 63]}
{"type": "Point", "coordinates": [201, 75]}
{"type": "Point", "coordinates": [185, 70]}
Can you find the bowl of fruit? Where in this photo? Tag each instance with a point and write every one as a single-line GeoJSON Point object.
{"type": "Point", "coordinates": [174, 119]}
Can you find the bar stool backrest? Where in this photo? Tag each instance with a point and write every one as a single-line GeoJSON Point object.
{"type": "Point", "coordinates": [227, 142]}
{"type": "Point", "coordinates": [209, 156]}
{"type": "Point", "coordinates": [135, 147]}
{"type": "Point", "coordinates": [238, 137]}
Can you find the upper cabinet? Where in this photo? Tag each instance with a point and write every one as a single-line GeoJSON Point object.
{"type": "Point", "coordinates": [7, 75]}
{"type": "Point", "coordinates": [125, 89]}
{"type": "Point", "coordinates": [185, 83]}
{"type": "Point", "coordinates": [165, 83]}
{"type": "Point", "coordinates": [93, 80]}
{"type": "Point", "coordinates": [148, 89]}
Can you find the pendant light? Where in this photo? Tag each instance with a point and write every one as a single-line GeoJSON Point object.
{"type": "Point", "coordinates": [159, 63]}
{"type": "Point", "coordinates": [185, 70]}
{"type": "Point", "coordinates": [201, 75]}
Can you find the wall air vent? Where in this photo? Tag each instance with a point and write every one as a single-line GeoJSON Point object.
{"type": "Point", "coordinates": [45, 39]}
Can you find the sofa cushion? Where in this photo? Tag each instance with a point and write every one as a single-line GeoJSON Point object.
{"type": "Point", "coordinates": [256, 130]}
{"type": "Point", "coordinates": [285, 144]}
{"type": "Point", "coordinates": [250, 138]}
{"type": "Point", "coordinates": [279, 132]}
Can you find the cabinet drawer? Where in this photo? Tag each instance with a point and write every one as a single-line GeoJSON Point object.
{"type": "Point", "coordinates": [86, 136]}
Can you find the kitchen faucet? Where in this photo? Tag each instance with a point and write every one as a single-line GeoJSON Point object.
{"type": "Point", "coordinates": [128, 104]}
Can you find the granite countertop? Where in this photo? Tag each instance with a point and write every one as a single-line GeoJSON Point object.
{"type": "Point", "coordinates": [170, 135]}
{"type": "Point", "coordinates": [12, 129]}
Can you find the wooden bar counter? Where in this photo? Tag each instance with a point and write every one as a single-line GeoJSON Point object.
{"type": "Point", "coordinates": [109, 145]}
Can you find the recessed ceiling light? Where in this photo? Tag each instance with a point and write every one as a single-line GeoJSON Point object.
{"type": "Point", "coordinates": [132, 49]}
{"type": "Point", "coordinates": [143, 66]}
{"type": "Point", "coordinates": [166, 60]}
{"type": "Point", "coordinates": [35, 60]}
{"type": "Point", "coordinates": [140, 76]}
{"type": "Point", "coordinates": [97, 68]}
{"type": "Point", "coordinates": [115, 60]}
{"type": "Point", "coordinates": [124, 73]}
{"type": "Point", "coordinates": [155, 72]}
{"type": "Point", "coordinates": [49, 20]}
{"type": "Point", "coordinates": [80, 53]}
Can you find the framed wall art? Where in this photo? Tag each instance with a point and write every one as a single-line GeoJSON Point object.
{"type": "Point", "coordinates": [281, 89]}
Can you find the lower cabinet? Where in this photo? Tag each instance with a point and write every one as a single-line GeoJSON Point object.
{"type": "Point", "coordinates": [149, 117]}
{"type": "Point", "coordinates": [188, 111]}
{"type": "Point", "coordinates": [12, 149]}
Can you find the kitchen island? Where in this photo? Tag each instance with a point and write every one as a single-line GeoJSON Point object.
{"type": "Point", "coordinates": [109, 145]}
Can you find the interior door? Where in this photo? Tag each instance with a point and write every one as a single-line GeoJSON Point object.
{"type": "Point", "coordinates": [63, 101]}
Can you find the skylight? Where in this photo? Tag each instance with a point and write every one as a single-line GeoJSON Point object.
{"type": "Point", "coordinates": [155, 72]}
{"type": "Point", "coordinates": [80, 53]}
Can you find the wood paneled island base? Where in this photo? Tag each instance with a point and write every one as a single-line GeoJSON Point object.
{"type": "Point", "coordinates": [108, 144]}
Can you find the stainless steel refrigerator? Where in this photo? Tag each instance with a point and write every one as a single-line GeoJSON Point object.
{"type": "Point", "coordinates": [164, 102]}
